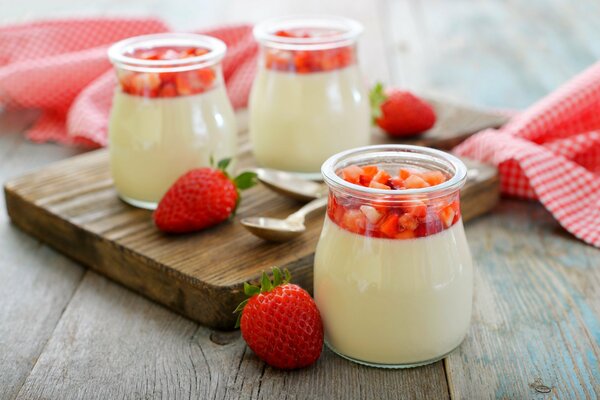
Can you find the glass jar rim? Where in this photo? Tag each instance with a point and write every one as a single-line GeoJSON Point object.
{"type": "Point", "coordinates": [335, 162]}
{"type": "Point", "coordinates": [117, 53]}
{"type": "Point", "coordinates": [350, 29]}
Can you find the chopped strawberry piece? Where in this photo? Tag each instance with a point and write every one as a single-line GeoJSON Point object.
{"type": "Point", "coordinates": [283, 33]}
{"type": "Point", "coordinates": [146, 81]}
{"type": "Point", "coordinates": [433, 177]}
{"type": "Point", "coordinates": [408, 221]}
{"type": "Point", "coordinates": [447, 216]}
{"type": "Point", "coordinates": [429, 226]}
{"type": "Point", "coordinates": [415, 182]}
{"type": "Point", "coordinates": [404, 174]}
{"type": "Point", "coordinates": [368, 173]}
{"type": "Point", "coordinates": [352, 174]}
{"type": "Point", "coordinates": [417, 209]}
{"type": "Point", "coordinates": [407, 234]}
{"type": "Point", "coordinates": [456, 207]}
{"type": "Point", "coordinates": [377, 185]}
{"type": "Point", "coordinates": [373, 216]}
{"type": "Point", "coordinates": [355, 221]}
{"type": "Point", "coordinates": [335, 211]}
{"type": "Point", "coordinates": [168, 90]}
{"type": "Point", "coordinates": [381, 177]}
{"type": "Point", "coordinates": [397, 183]}
{"type": "Point", "coordinates": [389, 226]}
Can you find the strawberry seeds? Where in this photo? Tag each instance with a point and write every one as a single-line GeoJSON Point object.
{"type": "Point", "coordinates": [167, 84]}
{"type": "Point", "coordinates": [393, 219]}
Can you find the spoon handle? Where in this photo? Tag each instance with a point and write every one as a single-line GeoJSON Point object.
{"type": "Point", "coordinates": [314, 205]}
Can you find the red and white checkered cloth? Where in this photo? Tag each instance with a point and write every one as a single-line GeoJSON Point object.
{"type": "Point", "coordinates": [551, 152]}
{"type": "Point", "coordinates": [61, 67]}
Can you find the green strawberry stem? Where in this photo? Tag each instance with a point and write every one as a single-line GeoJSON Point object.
{"type": "Point", "coordinates": [266, 285]}
{"type": "Point", "coordinates": [243, 181]}
{"type": "Point", "coordinates": [377, 97]}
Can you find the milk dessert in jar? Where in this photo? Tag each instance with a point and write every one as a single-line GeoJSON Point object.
{"type": "Point", "coordinates": [308, 100]}
{"type": "Point", "coordinates": [170, 113]}
{"type": "Point", "coordinates": [393, 276]}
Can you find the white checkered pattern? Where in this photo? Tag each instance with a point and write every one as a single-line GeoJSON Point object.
{"type": "Point", "coordinates": [61, 67]}
{"type": "Point", "coordinates": [551, 152]}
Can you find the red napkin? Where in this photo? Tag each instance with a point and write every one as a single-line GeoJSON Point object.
{"type": "Point", "coordinates": [551, 152]}
{"type": "Point", "coordinates": [61, 67]}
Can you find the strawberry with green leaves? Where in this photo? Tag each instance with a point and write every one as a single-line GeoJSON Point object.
{"type": "Point", "coordinates": [201, 198]}
{"type": "Point", "coordinates": [280, 322]}
{"type": "Point", "coordinates": [400, 113]}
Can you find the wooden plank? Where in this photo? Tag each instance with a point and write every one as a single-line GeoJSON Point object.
{"type": "Point", "coordinates": [36, 283]}
{"type": "Point", "coordinates": [536, 317]}
{"type": "Point", "coordinates": [112, 344]}
{"type": "Point", "coordinates": [73, 207]}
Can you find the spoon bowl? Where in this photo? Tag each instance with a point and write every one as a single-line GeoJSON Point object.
{"type": "Point", "coordinates": [273, 229]}
{"type": "Point", "coordinates": [282, 230]}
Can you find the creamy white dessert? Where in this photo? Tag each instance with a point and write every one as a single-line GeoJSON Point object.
{"type": "Point", "coordinates": [153, 141]}
{"type": "Point", "coordinates": [393, 301]}
{"type": "Point", "coordinates": [297, 121]}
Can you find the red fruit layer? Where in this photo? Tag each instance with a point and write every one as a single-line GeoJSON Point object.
{"type": "Point", "coordinates": [410, 219]}
{"type": "Point", "coordinates": [167, 84]}
{"type": "Point", "coordinates": [307, 61]}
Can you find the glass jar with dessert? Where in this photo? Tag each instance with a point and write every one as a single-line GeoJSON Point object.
{"type": "Point", "coordinates": [308, 100]}
{"type": "Point", "coordinates": [393, 275]}
{"type": "Point", "coordinates": [170, 112]}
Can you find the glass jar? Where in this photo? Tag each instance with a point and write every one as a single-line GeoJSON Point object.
{"type": "Point", "coordinates": [308, 100]}
{"type": "Point", "coordinates": [170, 113]}
{"type": "Point", "coordinates": [398, 297]}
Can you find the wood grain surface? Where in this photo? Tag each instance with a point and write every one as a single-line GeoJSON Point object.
{"type": "Point", "coordinates": [73, 206]}
{"type": "Point", "coordinates": [536, 317]}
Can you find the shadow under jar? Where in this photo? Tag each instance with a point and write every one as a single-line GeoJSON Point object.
{"type": "Point", "coordinates": [170, 113]}
{"type": "Point", "coordinates": [393, 275]}
{"type": "Point", "coordinates": [308, 100]}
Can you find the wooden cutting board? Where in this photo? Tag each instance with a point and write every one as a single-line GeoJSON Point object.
{"type": "Point", "coordinates": [72, 206]}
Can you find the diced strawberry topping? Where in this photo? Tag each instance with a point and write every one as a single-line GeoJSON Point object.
{"type": "Point", "coordinates": [405, 235]}
{"type": "Point", "coordinates": [167, 84]}
{"type": "Point", "coordinates": [382, 177]}
{"type": "Point", "coordinates": [404, 174]}
{"type": "Point", "coordinates": [433, 177]}
{"type": "Point", "coordinates": [389, 226]}
{"type": "Point", "coordinates": [308, 61]}
{"type": "Point", "coordinates": [373, 216]}
{"type": "Point", "coordinates": [430, 225]}
{"type": "Point", "coordinates": [447, 216]}
{"type": "Point", "coordinates": [418, 209]}
{"type": "Point", "coordinates": [408, 221]}
{"type": "Point", "coordinates": [355, 221]}
{"type": "Point", "coordinates": [397, 183]}
{"type": "Point", "coordinates": [376, 185]}
{"type": "Point", "coordinates": [368, 172]}
{"type": "Point", "coordinates": [352, 174]}
{"type": "Point", "coordinates": [399, 220]}
{"type": "Point", "coordinates": [415, 182]}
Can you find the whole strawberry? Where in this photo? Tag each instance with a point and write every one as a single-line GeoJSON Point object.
{"type": "Point", "coordinates": [280, 322]}
{"type": "Point", "coordinates": [400, 113]}
{"type": "Point", "coordinates": [201, 198]}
